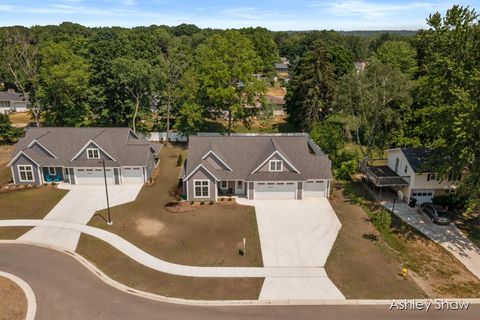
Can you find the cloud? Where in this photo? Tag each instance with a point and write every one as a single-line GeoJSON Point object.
{"type": "Point", "coordinates": [369, 9]}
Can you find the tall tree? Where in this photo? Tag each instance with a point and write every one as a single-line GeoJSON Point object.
{"type": "Point", "coordinates": [311, 89]}
{"type": "Point", "coordinates": [189, 119]}
{"type": "Point", "coordinates": [20, 59]}
{"type": "Point", "coordinates": [63, 85]}
{"type": "Point", "coordinates": [137, 78]}
{"type": "Point", "coordinates": [226, 66]}
{"type": "Point", "coordinates": [449, 95]}
{"type": "Point", "coordinates": [373, 100]}
{"type": "Point", "coordinates": [399, 55]}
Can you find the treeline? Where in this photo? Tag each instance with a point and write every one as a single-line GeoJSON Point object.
{"type": "Point", "coordinates": [418, 91]}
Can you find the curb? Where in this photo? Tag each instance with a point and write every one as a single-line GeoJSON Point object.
{"type": "Point", "coordinates": [31, 300]}
{"type": "Point", "coordinates": [220, 303]}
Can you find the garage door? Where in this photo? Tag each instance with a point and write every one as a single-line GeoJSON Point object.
{"type": "Point", "coordinates": [93, 176]}
{"type": "Point", "coordinates": [132, 174]}
{"type": "Point", "coordinates": [314, 189]}
{"type": "Point", "coordinates": [275, 190]}
{"type": "Point", "coordinates": [422, 195]}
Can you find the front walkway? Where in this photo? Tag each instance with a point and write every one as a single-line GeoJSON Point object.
{"type": "Point", "coordinates": [296, 233]}
{"type": "Point", "coordinates": [449, 236]}
{"type": "Point", "coordinates": [78, 206]}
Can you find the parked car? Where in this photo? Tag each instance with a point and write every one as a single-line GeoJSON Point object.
{"type": "Point", "coordinates": [436, 213]}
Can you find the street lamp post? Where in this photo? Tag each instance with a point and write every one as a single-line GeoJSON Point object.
{"type": "Point", "coordinates": [109, 222]}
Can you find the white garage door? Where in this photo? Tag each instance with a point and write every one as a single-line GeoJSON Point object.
{"type": "Point", "coordinates": [275, 190]}
{"type": "Point", "coordinates": [314, 189]}
{"type": "Point", "coordinates": [132, 174]}
{"type": "Point", "coordinates": [93, 176]}
{"type": "Point", "coordinates": [422, 195]}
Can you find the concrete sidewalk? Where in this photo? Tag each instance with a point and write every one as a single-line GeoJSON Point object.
{"type": "Point", "coordinates": [449, 236]}
{"type": "Point", "coordinates": [152, 262]}
{"type": "Point", "coordinates": [78, 206]}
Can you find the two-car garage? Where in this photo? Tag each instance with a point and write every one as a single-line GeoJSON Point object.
{"type": "Point", "coordinates": [288, 189]}
{"type": "Point", "coordinates": [95, 175]}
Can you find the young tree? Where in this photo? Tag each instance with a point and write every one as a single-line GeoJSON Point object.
{"type": "Point", "coordinates": [373, 100]}
{"type": "Point", "coordinates": [226, 64]}
{"type": "Point", "coordinates": [189, 119]}
{"type": "Point", "coordinates": [448, 95]}
{"type": "Point", "coordinates": [8, 134]}
{"type": "Point", "coordinates": [63, 86]}
{"type": "Point", "coordinates": [311, 89]}
{"type": "Point", "coordinates": [20, 59]}
{"type": "Point", "coordinates": [136, 76]}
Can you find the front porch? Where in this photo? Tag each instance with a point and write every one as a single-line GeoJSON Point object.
{"type": "Point", "coordinates": [380, 177]}
{"type": "Point", "coordinates": [232, 188]}
{"type": "Point", "coordinates": [53, 174]}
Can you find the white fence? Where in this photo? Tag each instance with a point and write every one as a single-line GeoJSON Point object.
{"type": "Point", "coordinates": [162, 136]}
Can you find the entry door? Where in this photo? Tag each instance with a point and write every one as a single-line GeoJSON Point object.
{"type": "Point", "coordinates": [239, 187]}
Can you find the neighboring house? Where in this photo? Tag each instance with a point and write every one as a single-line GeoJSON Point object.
{"type": "Point", "coordinates": [76, 156]}
{"type": "Point", "coordinates": [256, 167]}
{"type": "Point", "coordinates": [278, 104]}
{"type": "Point", "coordinates": [11, 101]}
{"type": "Point", "coordinates": [281, 67]}
{"type": "Point", "coordinates": [407, 171]}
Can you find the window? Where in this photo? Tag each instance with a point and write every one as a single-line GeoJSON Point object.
{"type": "Point", "coordinates": [93, 153]}
{"type": "Point", "coordinates": [201, 188]}
{"type": "Point", "coordinates": [239, 184]}
{"type": "Point", "coordinates": [25, 173]}
{"type": "Point", "coordinates": [223, 185]}
{"type": "Point", "coordinates": [52, 171]}
{"type": "Point", "coordinates": [276, 165]}
{"type": "Point", "coordinates": [406, 168]}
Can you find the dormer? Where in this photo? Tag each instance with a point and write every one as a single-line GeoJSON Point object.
{"type": "Point", "coordinates": [276, 162]}
{"type": "Point", "coordinates": [92, 151]}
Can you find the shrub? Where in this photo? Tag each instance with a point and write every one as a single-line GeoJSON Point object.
{"type": "Point", "coordinates": [229, 198]}
{"type": "Point", "coordinates": [179, 160]}
{"type": "Point", "coordinates": [192, 202]}
{"type": "Point", "coordinates": [451, 200]}
{"type": "Point", "coordinates": [222, 199]}
{"type": "Point", "coordinates": [211, 202]}
{"type": "Point", "coordinates": [202, 202]}
{"type": "Point", "coordinates": [347, 170]}
{"type": "Point", "coordinates": [382, 220]}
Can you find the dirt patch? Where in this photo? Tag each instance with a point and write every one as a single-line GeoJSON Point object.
{"type": "Point", "coordinates": [149, 227]}
{"type": "Point", "coordinates": [125, 270]}
{"type": "Point", "coordinates": [207, 235]}
{"type": "Point", "coordinates": [359, 264]}
{"type": "Point", "coordinates": [13, 303]}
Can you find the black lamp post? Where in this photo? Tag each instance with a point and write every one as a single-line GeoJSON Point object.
{"type": "Point", "coordinates": [109, 222]}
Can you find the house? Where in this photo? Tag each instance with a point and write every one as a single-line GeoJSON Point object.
{"type": "Point", "coordinates": [256, 167]}
{"type": "Point", "coordinates": [77, 156]}
{"type": "Point", "coordinates": [281, 67]}
{"type": "Point", "coordinates": [407, 171]}
{"type": "Point", "coordinates": [278, 104]}
{"type": "Point", "coordinates": [11, 101]}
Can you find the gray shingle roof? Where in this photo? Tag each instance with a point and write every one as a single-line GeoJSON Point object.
{"type": "Point", "coordinates": [244, 154]}
{"type": "Point", "coordinates": [417, 158]}
{"type": "Point", "coordinates": [12, 96]}
{"type": "Point", "coordinates": [65, 143]}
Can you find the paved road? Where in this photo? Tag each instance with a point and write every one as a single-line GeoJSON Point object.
{"type": "Point", "coordinates": [66, 290]}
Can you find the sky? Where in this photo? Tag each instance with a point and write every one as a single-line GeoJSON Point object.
{"type": "Point", "coordinates": [274, 15]}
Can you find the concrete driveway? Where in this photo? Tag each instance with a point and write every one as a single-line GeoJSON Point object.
{"type": "Point", "coordinates": [296, 233]}
{"type": "Point", "coordinates": [78, 206]}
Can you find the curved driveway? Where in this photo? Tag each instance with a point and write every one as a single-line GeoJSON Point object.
{"type": "Point", "coordinates": [66, 290]}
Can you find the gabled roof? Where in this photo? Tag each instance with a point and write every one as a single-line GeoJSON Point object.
{"type": "Point", "coordinates": [66, 143]}
{"type": "Point", "coordinates": [245, 154]}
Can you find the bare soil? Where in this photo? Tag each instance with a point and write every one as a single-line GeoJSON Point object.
{"type": "Point", "coordinates": [125, 270]}
{"type": "Point", "coordinates": [13, 303]}
{"type": "Point", "coordinates": [206, 235]}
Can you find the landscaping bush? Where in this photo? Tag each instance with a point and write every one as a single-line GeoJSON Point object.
{"type": "Point", "coordinates": [179, 160]}
{"type": "Point", "coordinates": [229, 198]}
{"type": "Point", "coordinates": [211, 202]}
{"type": "Point", "coordinates": [382, 220]}
{"type": "Point", "coordinates": [192, 202]}
{"type": "Point", "coordinates": [347, 170]}
{"type": "Point", "coordinates": [202, 203]}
